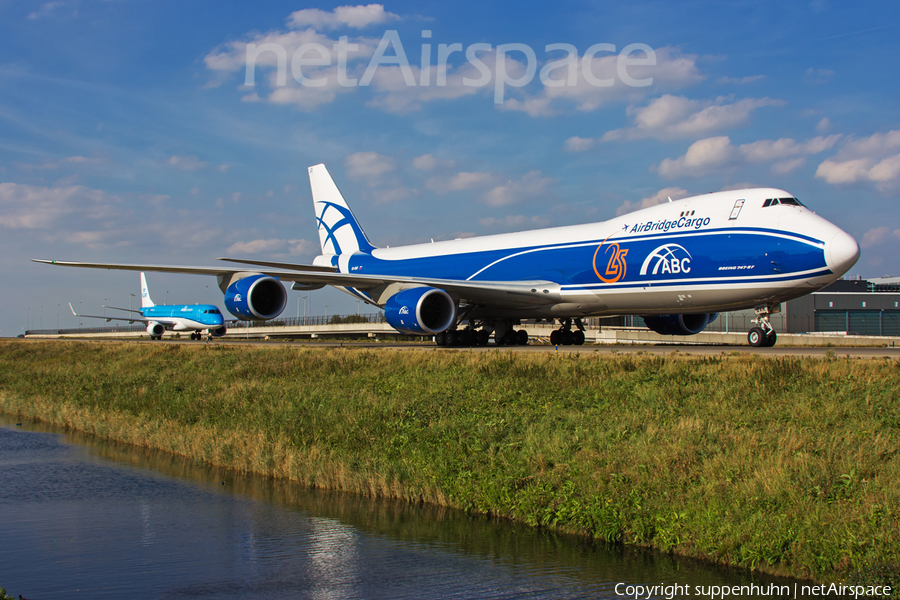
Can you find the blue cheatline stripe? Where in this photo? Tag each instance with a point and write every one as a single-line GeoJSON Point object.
{"type": "Point", "coordinates": [706, 282]}
{"type": "Point", "coordinates": [746, 230]}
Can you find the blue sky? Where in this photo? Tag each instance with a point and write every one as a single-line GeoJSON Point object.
{"type": "Point", "coordinates": [128, 132]}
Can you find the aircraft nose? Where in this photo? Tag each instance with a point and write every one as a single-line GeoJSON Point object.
{"type": "Point", "coordinates": [841, 252]}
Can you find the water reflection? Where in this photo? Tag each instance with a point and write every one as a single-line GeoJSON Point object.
{"type": "Point", "coordinates": [112, 521]}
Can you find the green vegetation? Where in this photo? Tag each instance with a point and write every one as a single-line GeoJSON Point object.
{"type": "Point", "coordinates": [786, 465]}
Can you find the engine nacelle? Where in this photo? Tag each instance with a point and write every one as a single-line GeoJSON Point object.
{"type": "Point", "coordinates": [256, 298]}
{"type": "Point", "coordinates": [155, 329]}
{"type": "Point", "coordinates": [679, 324]}
{"type": "Point", "coordinates": [420, 311]}
{"type": "Point", "coordinates": [219, 332]}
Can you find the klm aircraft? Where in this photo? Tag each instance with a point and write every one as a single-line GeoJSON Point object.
{"type": "Point", "coordinates": [175, 317]}
{"type": "Point", "coordinates": [677, 265]}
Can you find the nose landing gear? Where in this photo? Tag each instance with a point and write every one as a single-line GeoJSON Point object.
{"type": "Point", "coordinates": [763, 335]}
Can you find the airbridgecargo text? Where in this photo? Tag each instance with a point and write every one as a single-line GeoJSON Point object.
{"type": "Point", "coordinates": [664, 225]}
{"type": "Point", "coordinates": [720, 592]}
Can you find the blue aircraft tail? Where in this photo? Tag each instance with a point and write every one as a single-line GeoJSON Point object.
{"type": "Point", "coordinates": [339, 231]}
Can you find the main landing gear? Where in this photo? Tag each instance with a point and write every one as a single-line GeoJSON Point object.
{"type": "Point", "coordinates": [564, 336]}
{"type": "Point", "coordinates": [479, 333]}
{"type": "Point", "coordinates": [463, 337]}
{"type": "Point", "coordinates": [763, 335]}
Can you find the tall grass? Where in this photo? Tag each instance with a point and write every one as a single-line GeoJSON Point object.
{"type": "Point", "coordinates": [787, 465]}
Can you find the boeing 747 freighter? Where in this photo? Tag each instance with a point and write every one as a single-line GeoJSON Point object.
{"type": "Point", "coordinates": [677, 265]}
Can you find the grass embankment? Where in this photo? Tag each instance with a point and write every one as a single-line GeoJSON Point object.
{"type": "Point", "coordinates": [788, 465]}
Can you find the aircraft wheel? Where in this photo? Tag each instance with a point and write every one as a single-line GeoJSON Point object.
{"type": "Point", "coordinates": [440, 339]}
{"type": "Point", "coordinates": [567, 337]}
{"type": "Point", "coordinates": [556, 337]}
{"type": "Point", "coordinates": [483, 337]}
{"type": "Point", "coordinates": [771, 339]}
{"type": "Point", "coordinates": [756, 337]}
{"type": "Point", "coordinates": [467, 338]}
{"type": "Point", "coordinates": [522, 337]}
{"type": "Point", "coordinates": [578, 338]}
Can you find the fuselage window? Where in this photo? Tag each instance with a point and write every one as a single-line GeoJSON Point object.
{"type": "Point", "coordinates": [768, 202]}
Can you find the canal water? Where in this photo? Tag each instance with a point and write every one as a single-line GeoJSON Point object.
{"type": "Point", "coordinates": [84, 518]}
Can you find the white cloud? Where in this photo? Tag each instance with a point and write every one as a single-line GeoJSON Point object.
{"type": "Point", "coordinates": [873, 237]}
{"type": "Point", "coordinates": [68, 161]}
{"type": "Point", "coordinates": [530, 186]}
{"type": "Point", "coordinates": [427, 162]}
{"type": "Point", "coordinates": [368, 165]}
{"type": "Point", "coordinates": [885, 173]}
{"type": "Point", "coordinates": [824, 126]}
{"type": "Point", "coordinates": [514, 222]}
{"type": "Point", "coordinates": [73, 214]}
{"type": "Point", "coordinates": [464, 180]}
{"type": "Point", "coordinates": [47, 9]}
{"type": "Point", "coordinates": [673, 70]}
{"type": "Point", "coordinates": [874, 159]}
{"type": "Point", "coordinates": [393, 194]}
{"type": "Point", "coordinates": [706, 155]}
{"type": "Point", "coordinates": [787, 166]}
{"type": "Point", "coordinates": [274, 246]}
{"type": "Point", "coordinates": [357, 17]}
{"type": "Point", "coordinates": [671, 117]}
{"type": "Point", "coordinates": [817, 76]}
{"type": "Point", "coordinates": [740, 80]}
{"type": "Point", "coordinates": [579, 144]}
{"type": "Point", "coordinates": [660, 197]}
{"type": "Point", "coordinates": [186, 163]}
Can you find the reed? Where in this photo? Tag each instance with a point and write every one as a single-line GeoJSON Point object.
{"type": "Point", "coordinates": [786, 465]}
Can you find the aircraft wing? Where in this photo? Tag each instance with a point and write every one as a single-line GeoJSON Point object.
{"type": "Point", "coordinates": [129, 319]}
{"type": "Point", "coordinates": [498, 293]}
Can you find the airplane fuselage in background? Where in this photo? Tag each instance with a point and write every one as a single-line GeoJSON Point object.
{"type": "Point", "coordinates": [185, 317]}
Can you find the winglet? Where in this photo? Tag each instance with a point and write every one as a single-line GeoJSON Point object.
{"type": "Point", "coordinates": [73, 310]}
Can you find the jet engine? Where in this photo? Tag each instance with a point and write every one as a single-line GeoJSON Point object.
{"type": "Point", "coordinates": [155, 329]}
{"type": "Point", "coordinates": [256, 298]}
{"type": "Point", "coordinates": [679, 324]}
{"type": "Point", "coordinates": [219, 332]}
{"type": "Point", "coordinates": [420, 311]}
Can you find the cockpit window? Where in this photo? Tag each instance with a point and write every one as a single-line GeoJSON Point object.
{"type": "Point", "coordinates": [777, 201]}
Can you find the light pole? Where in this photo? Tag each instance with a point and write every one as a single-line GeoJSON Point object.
{"type": "Point", "coordinates": [326, 313]}
{"type": "Point", "coordinates": [305, 312]}
{"type": "Point", "coordinates": [131, 302]}
{"type": "Point", "coordinates": [357, 308]}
